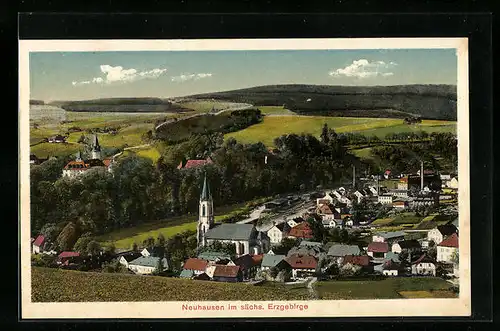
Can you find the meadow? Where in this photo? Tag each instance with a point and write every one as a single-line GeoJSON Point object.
{"type": "Point", "coordinates": [276, 125]}
{"type": "Point", "coordinates": [389, 288]}
{"type": "Point", "coordinates": [56, 285]}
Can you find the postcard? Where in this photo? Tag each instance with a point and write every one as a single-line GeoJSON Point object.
{"type": "Point", "coordinates": [244, 178]}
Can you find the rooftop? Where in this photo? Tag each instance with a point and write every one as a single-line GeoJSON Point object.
{"type": "Point", "coordinates": [230, 231]}
{"type": "Point", "coordinates": [451, 241]}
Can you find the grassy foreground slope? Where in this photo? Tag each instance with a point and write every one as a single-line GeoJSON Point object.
{"type": "Point", "coordinates": [56, 285]}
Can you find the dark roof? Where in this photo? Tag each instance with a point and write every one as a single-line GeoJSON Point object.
{"type": "Point", "coordinates": [447, 229]}
{"type": "Point", "coordinates": [231, 231]}
{"type": "Point", "coordinates": [156, 251]}
{"type": "Point", "coordinates": [409, 244]}
{"type": "Point", "coordinates": [283, 227]}
{"type": "Point", "coordinates": [378, 247]}
{"type": "Point", "coordinates": [39, 241]}
{"type": "Point", "coordinates": [202, 276]}
{"type": "Point", "coordinates": [271, 260]}
{"type": "Point", "coordinates": [302, 261]}
{"type": "Point", "coordinates": [423, 259]}
{"type": "Point", "coordinates": [451, 241]}
{"type": "Point", "coordinates": [130, 256]}
{"type": "Point", "coordinates": [148, 261]}
{"type": "Point", "coordinates": [302, 230]}
{"type": "Point", "coordinates": [245, 262]}
{"type": "Point", "coordinates": [195, 264]}
{"type": "Point", "coordinates": [226, 270]}
{"type": "Point", "coordinates": [205, 193]}
{"type": "Point", "coordinates": [343, 250]}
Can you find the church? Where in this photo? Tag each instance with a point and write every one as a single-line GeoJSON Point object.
{"type": "Point", "coordinates": [79, 166]}
{"type": "Point", "coordinates": [245, 237]}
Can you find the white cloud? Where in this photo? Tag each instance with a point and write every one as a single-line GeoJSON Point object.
{"type": "Point", "coordinates": [363, 68]}
{"type": "Point", "coordinates": [186, 77]}
{"type": "Point", "coordinates": [120, 75]}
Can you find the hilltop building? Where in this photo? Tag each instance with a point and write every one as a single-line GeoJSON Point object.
{"type": "Point", "coordinates": [79, 166]}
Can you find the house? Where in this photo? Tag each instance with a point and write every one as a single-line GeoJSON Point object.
{"type": "Point", "coordinates": [295, 221]}
{"type": "Point", "coordinates": [125, 259]}
{"type": "Point", "coordinates": [36, 160]}
{"type": "Point", "coordinates": [403, 194]}
{"type": "Point", "coordinates": [67, 256]}
{"type": "Point", "coordinates": [378, 249]}
{"type": "Point", "coordinates": [330, 223]}
{"type": "Point", "coordinates": [247, 266]}
{"type": "Point", "coordinates": [79, 166]}
{"type": "Point", "coordinates": [389, 237]}
{"type": "Point", "coordinates": [193, 164]}
{"type": "Point", "coordinates": [447, 249]}
{"type": "Point", "coordinates": [202, 276]}
{"type": "Point", "coordinates": [453, 183]}
{"type": "Point", "coordinates": [193, 267]}
{"type": "Point", "coordinates": [327, 199]}
{"type": "Point", "coordinates": [392, 256]}
{"type": "Point", "coordinates": [391, 268]}
{"type": "Point", "coordinates": [302, 230]}
{"type": "Point", "coordinates": [39, 244]}
{"type": "Point", "coordinates": [57, 139]}
{"type": "Point", "coordinates": [406, 245]}
{"type": "Point", "coordinates": [440, 233]}
{"type": "Point", "coordinates": [399, 204]}
{"type": "Point", "coordinates": [403, 184]}
{"type": "Point", "coordinates": [212, 256]}
{"type": "Point", "coordinates": [270, 261]}
{"type": "Point", "coordinates": [423, 266]}
{"type": "Point", "coordinates": [312, 250]}
{"type": "Point", "coordinates": [257, 260]}
{"type": "Point", "coordinates": [245, 237]}
{"type": "Point", "coordinates": [302, 265]}
{"type": "Point", "coordinates": [327, 212]}
{"type": "Point", "coordinates": [385, 199]}
{"type": "Point", "coordinates": [387, 174]}
{"type": "Point", "coordinates": [278, 232]}
{"type": "Point", "coordinates": [373, 190]}
{"type": "Point", "coordinates": [225, 273]}
{"type": "Point", "coordinates": [341, 250]}
{"type": "Point", "coordinates": [364, 261]}
{"type": "Point", "coordinates": [145, 265]}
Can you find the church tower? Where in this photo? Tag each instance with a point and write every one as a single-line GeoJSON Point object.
{"type": "Point", "coordinates": [206, 218]}
{"type": "Point", "coordinates": [96, 149]}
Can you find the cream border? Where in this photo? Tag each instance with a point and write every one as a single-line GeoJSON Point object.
{"type": "Point", "coordinates": [321, 308]}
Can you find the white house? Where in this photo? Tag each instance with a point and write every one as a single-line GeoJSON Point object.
{"type": "Point", "coordinates": [127, 258]}
{"type": "Point", "coordinates": [329, 223]}
{"type": "Point", "coordinates": [439, 233]}
{"type": "Point", "coordinates": [453, 183]}
{"type": "Point", "coordinates": [146, 265]}
{"type": "Point", "coordinates": [405, 245]}
{"type": "Point", "coordinates": [360, 196]}
{"type": "Point", "coordinates": [302, 265]}
{"type": "Point", "coordinates": [294, 222]}
{"type": "Point", "coordinates": [389, 237]}
{"type": "Point", "coordinates": [424, 266]}
{"type": "Point", "coordinates": [447, 249]}
{"type": "Point", "coordinates": [385, 199]}
{"type": "Point", "coordinates": [271, 260]}
{"type": "Point", "coordinates": [278, 232]}
{"type": "Point", "coordinates": [373, 190]}
{"type": "Point", "coordinates": [327, 199]}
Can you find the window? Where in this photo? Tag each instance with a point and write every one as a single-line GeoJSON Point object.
{"type": "Point", "coordinates": [203, 210]}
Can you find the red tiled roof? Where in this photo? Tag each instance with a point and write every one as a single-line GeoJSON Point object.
{"type": "Point", "coordinates": [195, 264]}
{"type": "Point", "coordinates": [362, 260]}
{"type": "Point", "coordinates": [69, 254]}
{"type": "Point", "coordinates": [377, 247]}
{"type": "Point", "coordinates": [302, 261]}
{"type": "Point", "coordinates": [39, 240]}
{"type": "Point", "coordinates": [226, 270]}
{"type": "Point", "coordinates": [325, 209]}
{"type": "Point", "coordinates": [387, 172]}
{"type": "Point", "coordinates": [107, 162]}
{"type": "Point", "coordinates": [451, 241]}
{"type": "Point", "coordinates": [301, 231]}
{"type": "Point", "coordinates": [257, 259]}
{"type": "Point", "coordinates": [404, 180]}
{"type": "Point", "coordinates": [195, 164]}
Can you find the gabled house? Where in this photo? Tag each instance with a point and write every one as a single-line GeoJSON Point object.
{"type": "Point", "coordinates": [391, 268]}
{"type": "Point", "coordinates": [453, 183]}
{"type": "Point", "coordinates": [193, 164]}
{"type": "Point", "coordinates": [316, 251]}
{"type": "Point", "coordinates": [57, 139]}
{"type": "Point", "coordinates": [295, 221]}
{"type": "Point", "coordinates": [447, 248]}
{"type": "Point", "coordinates": [153, 251]}
{"type": "Point", "coordinates": [302, 231]}
{"type": "Point", "coordinates": [145, 265]}
{"type": "Point", "coordinates": [441, 232]}
{"type": "Point", "coordinates": [424, 266]}
{"type": "Point", "coordinates": [125, 259]}
{"type": "Point", "coordinates": [400, 204]}
{"type": "Point", "coordinates": [378, 249]}
{"type": "Point", "coordinates": [278, 232]}
{"type": "Point", "coordinates": [302, 265]}
{"type": "Point", "coordinates": [225, 273]}
{"type": "Point", "coordinates": [39, 244]}
{"type": "Point", "coordinates": [67, 256]}
{"type": "Point", "coordinates": [193, 267]}
{"type": "Point", "coordinates": [341, 250]}
{"type": "Point", "coordinates": [247, 266]}
{"type": "Point", "coordinates": [406, 245]}
{"type": "Point", "coordinates": [385, 199]}
{"type": "Point", "coordinates": [212, 256]}
{"type": "Point", "coordinates": [364, 261]}
{"type": "Point", "coordinates": [327, 199]}
{"type": "Point", "coordinates": [271, 261]}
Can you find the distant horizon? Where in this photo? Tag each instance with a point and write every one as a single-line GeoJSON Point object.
{"type": "Point", "coordinates": [244, 88]}
{"type": "Point", "coordinates": [72, 76]}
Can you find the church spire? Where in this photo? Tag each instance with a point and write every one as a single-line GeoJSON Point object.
{"type": "Point", "coordinates": [96, 149]}
{"type": "Point", "coordinates": [96, 146]}
{"type": "Point", "coordinates": [205, 193]}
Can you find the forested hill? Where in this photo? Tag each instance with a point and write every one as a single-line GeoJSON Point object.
{"type": "Point", "coordinates": [36, 102]}
{"type": "Point", "coordinates": [426, 101]}
{"type": "Point", "coordinates": [120, 105]}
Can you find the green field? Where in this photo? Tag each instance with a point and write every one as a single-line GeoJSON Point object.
{"type": "Point", "coordinates": [388, 288]}
{"type": "Point", "coordinates": [126, 237]}
{"type": "Point", "coordinates": [204, 106]}
{"type": "Point", "coordinates": [363, 153]}
{"type": "Point", "coordinates": [56, 285]}
{"type": "Point", "coordinates": [275, 110]}
{"type": "Point", "coordinates": [398, 220]}
{"type": "Point", "coordinates": [275, 126]}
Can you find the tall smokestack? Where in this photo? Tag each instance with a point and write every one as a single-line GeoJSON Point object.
{"type": "Point", "coordinates": [421, 175]}
{"type": "Point", "coordinates": [353, 176]}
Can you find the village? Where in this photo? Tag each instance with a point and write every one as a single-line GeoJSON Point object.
{"type": "Point", "coordinates": [342, 232]}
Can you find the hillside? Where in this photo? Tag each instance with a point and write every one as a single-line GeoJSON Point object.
{"type": "Point", "coordinates": [56, 285]}
{"type": "Point", "coordinates": [36, 102]}
{"type": "Point", "coordinates": [426, 101]}
{"type": "Point", "coordinates": [124, 105]}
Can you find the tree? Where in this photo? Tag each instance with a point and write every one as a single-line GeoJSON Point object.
{"type": "Point", "coordinates": [82, 244]}
{"type": "Point", "coordinates": [344, 236]}
{"type": "Point", "coordinates": [332, 269]}
{"type": "Point", "coordinates": [159, 267]}
{"type": "Point", "coordinates": [110, 249]}
{"type": "Point", "coordinates": [149, 242]}
{"type": "Point", "coordinates": [284, 275]}
{"type": "Point", "coordinates": [68, 237]}
{"type": "Point", "coordinates": [93, 248]}
{"type": "Point", "coordinates": [134, 247]}
{"type": "Point", "coordinates": [455, 257]}
{"type": "Point", "coordinates": [50, 231]}
{"type": "Point", "coordinates": [349, 270]}
{"type": "Point", "coordinates": [160, 241]}
{"type": "Point", "coordinates": [325, 138]}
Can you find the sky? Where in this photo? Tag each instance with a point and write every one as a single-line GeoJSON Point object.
{"type": "Point", "coordinates": [165, 74]}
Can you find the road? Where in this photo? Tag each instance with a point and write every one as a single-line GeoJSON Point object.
{"type": "Point", "coordinates": [293, 212]}
{"type": "Point", "coordinates": [310, 287]}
